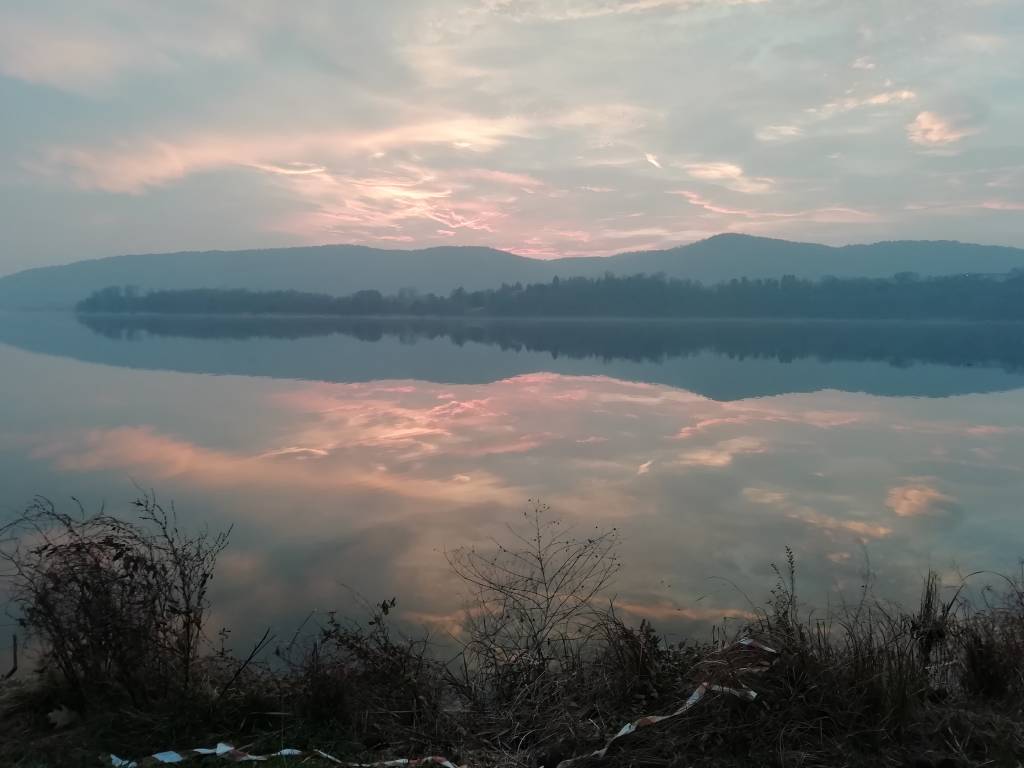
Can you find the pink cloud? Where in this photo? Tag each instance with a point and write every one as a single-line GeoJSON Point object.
{"type": "Point", "coordinates": [836, 214]}
{"type": "Point", "coordinates": [132, 167]}
{"type": "Point", "coordinates": [917, 498]}
{"type": "Point", "coordinates": [849, 103]}
{"type": "Point", "coordinates": [931, 130]}
{"type": "Point", "coordinates": [729, 175]}
{"type": "Point", "coordinates": [722, 454]}
{"type": "Point", "coordinates": [864, 528]}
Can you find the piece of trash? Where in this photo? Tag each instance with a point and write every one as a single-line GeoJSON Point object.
{"type": "Point", "coordinates": [62, 717]}
{"type": "Point", "coordinates": [228, 752]}
{"type": "Point", "coordinates": [698, 693]}
{"type": "Point", "coordinates": [752, 643]}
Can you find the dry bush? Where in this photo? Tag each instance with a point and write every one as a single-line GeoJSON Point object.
{"type": "Point", "coordinates": [536, 626]}
{"type": "Point", "coordinates": [116, 607]}
{"type": "Point", "coordinates": [368, 685]}
{"type": "Point", "coordinates": [868, 684]}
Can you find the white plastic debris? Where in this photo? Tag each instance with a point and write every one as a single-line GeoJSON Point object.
{"type": "Point", "coordinates": [752, 643]}
{"type": "Point", "coordinates": [698, 694]}
{"type": "Point", "coordinates": [228, 752]}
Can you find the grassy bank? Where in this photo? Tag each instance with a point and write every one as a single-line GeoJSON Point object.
{"type": "Point", "coordinates": [545, 672]}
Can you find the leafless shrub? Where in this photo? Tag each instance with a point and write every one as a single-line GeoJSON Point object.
{"type": "Point", "coordinates": [864, 684]}
{"type": "Point", "coordinates": [117, 607]}
{"type": "Point", "coordinates": [537, 614]}
{"type": "Point", "coordinates": [368, 683]}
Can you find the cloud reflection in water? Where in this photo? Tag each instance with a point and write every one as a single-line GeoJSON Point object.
{"type": "Point", "coordinates": [367, 484]}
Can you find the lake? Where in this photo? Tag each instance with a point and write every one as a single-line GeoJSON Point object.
{"type": "Point", "coordinates": [350, 455]}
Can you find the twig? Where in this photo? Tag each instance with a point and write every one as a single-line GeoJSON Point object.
{"type": "Point", "coordinates": [14, 657]}
{"type": "Point", "coordinates": [256, 649]}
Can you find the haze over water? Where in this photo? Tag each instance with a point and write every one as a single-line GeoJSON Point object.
{"type": "Point", "coordinates": [351, 455]}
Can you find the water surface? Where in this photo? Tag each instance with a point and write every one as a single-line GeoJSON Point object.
{"type": "Point", "coordinates": [349, 455]}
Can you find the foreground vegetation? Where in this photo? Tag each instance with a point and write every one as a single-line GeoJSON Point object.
{"type": "Point", "coordinates": [905, 296]}
{"type": "Point", "coordinates": [546, 671]}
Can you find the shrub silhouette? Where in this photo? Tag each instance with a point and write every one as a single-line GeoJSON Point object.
{"type": "Point", "coordinates": [118, 607]}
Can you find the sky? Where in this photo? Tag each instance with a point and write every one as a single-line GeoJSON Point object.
{"type": "Point", "coordinates": [545, 127]}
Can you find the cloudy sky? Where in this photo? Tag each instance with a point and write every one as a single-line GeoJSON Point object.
{"type": "Point", "coordinates": [547, 127]}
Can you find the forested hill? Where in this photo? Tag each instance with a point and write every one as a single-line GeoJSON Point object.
{"type": "Point", "coordinates": [345, 269]}
{"type": "Point", "coordinates": [960, 297]}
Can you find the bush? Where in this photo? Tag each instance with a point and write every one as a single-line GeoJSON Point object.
{"type": "Point", "coordinates": [368, 685]}
{"type": "Point", "coordinates": [535, 627]}
{"type": "Point", "coordinates": [117, 607]}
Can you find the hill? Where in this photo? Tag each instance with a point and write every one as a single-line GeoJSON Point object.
{"type": "Point", "coordinates": [345, 269]}
{"type": "Point", "coordinates": [726, 256]}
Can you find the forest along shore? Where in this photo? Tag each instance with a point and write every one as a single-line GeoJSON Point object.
{"type": "Point", "coordinates": [902, 297]}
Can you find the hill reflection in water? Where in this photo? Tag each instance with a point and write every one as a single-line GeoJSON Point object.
{"type": "Point", "coordinates": [721, 360]}
{"type": "Point", "coordinates": [998, 345]}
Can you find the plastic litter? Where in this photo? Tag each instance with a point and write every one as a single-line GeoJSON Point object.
{"type": "Point", "coordinates": [229, 753]}
{"type": "Point", "coordinates": [699, 692]}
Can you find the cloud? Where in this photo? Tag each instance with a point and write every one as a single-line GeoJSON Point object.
{"type": "Point", "coordinates": [764, 496]}
{"type": "Point", "coordinates": [729, 175]}
{"type": "Point", "coordinates": [441, 464]}
{"type": "Point", "coordinates": [829, 214]}
{"type": "Point", "coordinates": [863, 528]}
{"type": "Point", "coordinates": [89, 53]}
{"type": "Point", "coordinates": [984, 43]}
{"type": "Point", "coordinates": [522, 124]}
{"type": "Point", "coordinates": [931, 130]}
{"type": "Point", "coordinates": [581, 10]}
{"type": "Point", "coordinates": [850, 103]}
{"type": "Point", "coordinates": [132, 167]}
{"type": "Point", "coordinates": [809, 515]}
{"type": "Point", "coordinates": [779, 132]}
{"type": "Point", "coordinates": [660, 610]}
{"type": "Point", "coordinates": [722, 454]}
{"type": "Point", "coordinates": [291, 169]}
{"type": "Point", "coordinates": [918, 498]}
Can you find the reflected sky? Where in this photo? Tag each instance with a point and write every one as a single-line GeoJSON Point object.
{"type": "Point", "coordinates": [364, 485]}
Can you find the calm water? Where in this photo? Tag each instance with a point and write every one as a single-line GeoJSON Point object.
{"type": "Point", "coordinates": [350, 455]}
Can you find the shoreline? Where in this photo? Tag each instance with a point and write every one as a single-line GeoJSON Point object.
{"type": "Point", "coordinates": [537, 319]}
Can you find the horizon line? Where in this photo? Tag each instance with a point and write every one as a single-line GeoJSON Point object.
{"type": "Point", "coordinates": [413, 249]}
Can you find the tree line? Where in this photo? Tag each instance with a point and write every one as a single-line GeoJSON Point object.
{"type": "Point", "coordinates": [903, 296]}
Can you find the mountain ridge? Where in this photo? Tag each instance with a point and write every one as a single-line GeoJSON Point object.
{"type": "Point", "coordinates": [344, 269]}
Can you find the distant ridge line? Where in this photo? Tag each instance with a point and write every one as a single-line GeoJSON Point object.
{"type": "Point", "coordinates": [344, 269]}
